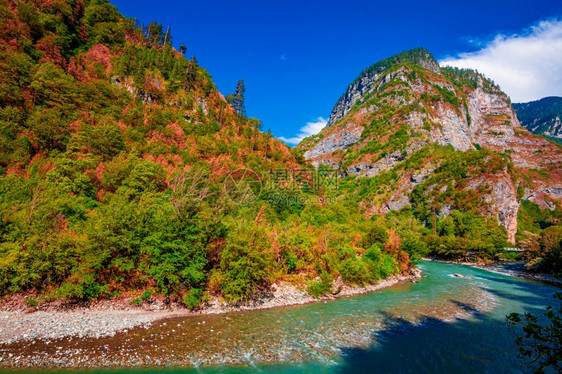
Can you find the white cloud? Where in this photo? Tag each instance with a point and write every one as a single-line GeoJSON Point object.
{"type": "Point", "coordinates": [527, 66]}
{"type": "Point", "coordinates": [311, 128]}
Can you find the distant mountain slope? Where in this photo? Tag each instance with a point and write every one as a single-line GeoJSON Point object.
{"type": "Point", "coordinates": [409, 118]}
{"type": "Point", "coordinates": [542, 116]}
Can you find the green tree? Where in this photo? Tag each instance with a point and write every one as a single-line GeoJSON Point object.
{"type": "Point", "coordinates": [544, 251]}
{"type": "Point", "coordinates": [376, 233]}
{"type": "Point", "coordinates": [53, 87]}
{"type": "Point", "coordinates": [50, 128]}
{"type": "Point", "coordinates": [237, 99]}
{"type": "Point", "coordinates": [541, 344]}
{"type": "Point", "coordinates": [245, 262]}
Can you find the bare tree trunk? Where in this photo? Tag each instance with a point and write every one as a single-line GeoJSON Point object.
{"type": "Point", "coordinates": [34, 203]}
{"type": "Point", "coordinates": [166, 36]}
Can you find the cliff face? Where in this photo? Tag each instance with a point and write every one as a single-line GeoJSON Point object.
{"type": "Point", "coordinates": [368, 79]}
{"type": "Point", "coordinates": [396, 112]}
{"type": "Point", "coordinates": [340, 140]}
{"type": "Point", "coordinates": [543, 116]}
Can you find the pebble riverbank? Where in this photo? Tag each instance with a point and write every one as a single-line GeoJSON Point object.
{"type": "Point", "coordinates": [106, 319]}
{"type": "Point", "coordinates": [15, 326]}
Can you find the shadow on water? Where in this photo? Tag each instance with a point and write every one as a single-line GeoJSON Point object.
{"type": "Point", "coordinates": [465, 307]}
{"type": "Point", "coordinates": [527, 292]}
{"type": "Point", "coordinates": [526, 299]}
{"type": "Point", "coordinates": [483, 343]}
{"type": "Point", "coordinates": [528, 285]}
{"type": "Point", "coordinates": [435, 346]}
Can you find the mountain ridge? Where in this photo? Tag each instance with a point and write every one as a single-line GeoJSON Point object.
{"type": "Point", "coordinates": [363, 83]}
{"type": "Point", "coordinates": [542, 116]}
{"type": "Point", "coordinates": [408, 108]}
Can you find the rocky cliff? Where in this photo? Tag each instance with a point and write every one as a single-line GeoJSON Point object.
{"type": "Point", "coordinates": [406, 108]}
{"type": "Point", "coordinates": [366, 81]}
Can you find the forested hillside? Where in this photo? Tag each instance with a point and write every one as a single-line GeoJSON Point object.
{"type": "Point", "coordinates": [115, 155]}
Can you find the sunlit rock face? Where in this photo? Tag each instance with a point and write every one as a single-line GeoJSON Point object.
{"type": "Point", "coordinates": [339, 140]}
{"type": "Point", "coordinates": [405, 104]}
{"type": "Point", "coordinates": [369, 80]}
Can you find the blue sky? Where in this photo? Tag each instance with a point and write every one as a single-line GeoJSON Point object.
{"type": "Point", "coordinates": [297, 57]}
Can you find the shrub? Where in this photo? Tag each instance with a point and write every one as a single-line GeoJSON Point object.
{"type": "Point", "coordinates": [353, 271]}
{"type": "Point", "coordinates": [146, 295]}
{"type": "Point", "coordinates": [136, 301]}
{"type": "Point", "coordinates": [380, 264]}
{"type": "Point", "coordinates": [317, 288]}
{"type": "Point", "coordinates": [388, 266]}
{"type": "Point", "coordinates": [193, 298]}
{"type": "Point", "coordinates": [415, 247]}
{"type": "Point", "coordinates": [321, 287]}
{"type": "Point", "coordinates": [30, 301]}
{"type": "Point", "coordinates": [82, 286]}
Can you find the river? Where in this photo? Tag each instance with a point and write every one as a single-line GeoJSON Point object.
{"type": "Point", "coordinates": [443, 324]}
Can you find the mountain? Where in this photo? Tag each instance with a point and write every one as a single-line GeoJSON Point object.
{"type": "Point", "coordinates": [542, 116]}
{"type": "Point", "coordinates": [444, 139]}
{"type": "Point", "coordinates": [76, 72]}
{"type": "Point", "coordinates": [364, 83]}
{"type": "Point", "coordinates": [124, 172]}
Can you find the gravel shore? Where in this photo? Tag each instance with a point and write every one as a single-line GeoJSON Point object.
{"type": "Point", "coordinates": [108, 318]}
{"type": "Point", "coordinates": [15, 326]}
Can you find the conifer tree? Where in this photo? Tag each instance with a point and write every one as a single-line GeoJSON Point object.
{"type": "Point", "coordinates": [239, 98]}
{"type": "Point", "coordinates": [190, 71]}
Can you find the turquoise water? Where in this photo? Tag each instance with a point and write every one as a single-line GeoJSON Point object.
{"type": "Point", "coordinates": [443, 324]}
